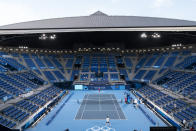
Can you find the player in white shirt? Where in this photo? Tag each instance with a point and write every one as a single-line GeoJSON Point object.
{"type": "Point", "coordinates": [108, 121]}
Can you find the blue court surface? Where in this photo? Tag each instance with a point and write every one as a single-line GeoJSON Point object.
{"type": "Point", "coordinates": [75, 115]}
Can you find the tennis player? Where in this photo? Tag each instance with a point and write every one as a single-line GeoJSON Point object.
{"type": "Point", "coordinates": [108, 121]}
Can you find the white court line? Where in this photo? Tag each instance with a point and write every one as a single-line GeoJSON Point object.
{"type": "Point", "coordinates": [103, 119]}
{"type": "Point", "coordinates": [116, 109]}
{"type": "Point", "coordinates": [99, 102]}
{"type": "Point", "coordinates": [96, 99]}
{"type": "Point", "coordinates": [100, 110]}
{"type": "Point", "coordinates": [84, 108]}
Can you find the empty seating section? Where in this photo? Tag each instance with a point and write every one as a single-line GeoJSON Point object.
{"type": "Point", "coordinates": [86, 63]}
{"type": "Point", "coordinates": [99, 63]}
{"type": "Point", "coordinates": [193, 95]}
{"type": "Point", "coordinates": [186, 52]}
{"type": "Point", "coordinates": [140, 63]}
{"type": "Point", "coordinates": [159, 62]}
{"type": "Point", "coordinates": [37, 71]}
{"type": "Point", "coordinates": [148, 77]}
{"type": "Point", "coordinates": [36, 101]}
{"type": "Point", "coordinates": [139, 75]}
{"type": "Point", "coordinates": [169, 108]}
{"type": "Point", "coordinates": [24, 80]}
{"type": "Point", "coordinates": [27, 106]}
{"type": "Point", "coordinates": [78, 60]}
{"type": "Point", "coordinates": [59, 75]}
{"type": "Point", "coordinates": [93, 78]}
{"type": "Point", "coordinates": [164, 100]}
{"type": "Point", "coordinates": [175, 53]}
{"type": "Point", "coordinates": [30, 63]}
{"type": "Point", "coordinates": [7, 123]}
{"type": "Point", "coordinates": [11, 64]}
{"type": "Point", "coordinates": [34, 56]}
{"type": "Point", "coordinates": [150, 62]}
{"type": "Point", "coordinates": [84, 77]}
{"type": "Point", "coordinates": [169, 75]}
{"type": "Point", "coordinates": [189, 90]}
{"type": "Point", "coordinates": [69, 63]}
{"type": "Point", "coordinates": [111, 62]}
{"type": "Point", "coordinates": [57, 63]}
{"type": "Point", "coordinates": [105, 77]}
{"type": "Point", "coordinates": [114, 77]}
{"type": "Point", "coordinates": [15, 64]}
{"type": "Point", "coordinates": [40, 63]}
{"type": "Point", "coordinates": [19, 83]}
{"type": "Point", "coordinates": [25, 56]}
{"type": "Point", "coordinates": [9, 88]}
{"type": "Point", "coordinates": [85, 70]}
{"type": "Point", "coordinates": [182, 83]}
{"type": "Point", "coordinates": [33, 77]}
{"type": "Point", "coordinates": [5, 96]}
{"type": "Point", "coordinates": [103, 69]}
{"type": "Point", "coordinates": [188, 63]}
{"type": "Point", "coordinates": [14, 83]}
{"type": "Point", "coordinates": [128, 62]}
{"type": "Point", "coordinates": [68, 71]}
{"type": "Point", "coordinates": [119, 60]}
{"type": "Point", "coordinates": [3, 69]}
{"type": "Point", "coordinates": [187, 114]}
{"type": "Point", "coordinates": [151, 93]}
{"type": "Point", "coordinates": [181, 111]}
{"type": "Point", "coordinates": [94, 69]}
{"type": "Point", "coordinates": [49, 63]}
{"type": "Point", "coordinates": [94, 64]}
{"type": "Point", "coordinates": [177, 82]}
{"type": "Point", "coordinates": [113, 70]}
{"type": "Point", "coordinates": [49, 76]}
{"type": "Point", "coordinates": [15, 114]}
{"type": "Point", "coordinates": [20, 111]}
{"type": "Point", "coordinates": [62, 70]}
{"type": "Point", "coordinates": [103, 64]}
{"type": "Point", "coordinates": [170, 61]}
{"type": "Point", "coordinates": [44, 96]}
{"type": "Point", "coordinates": [3, 53]}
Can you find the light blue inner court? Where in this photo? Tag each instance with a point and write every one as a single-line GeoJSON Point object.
{"type": "Point", "coordinates": [135, 118]}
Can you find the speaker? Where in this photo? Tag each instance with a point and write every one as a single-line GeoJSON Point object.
{"type": "Point", "coordinates": [79, 57]}
{"type": "Point", "coordinates": [65, 85]}
{"type": "Point", "coordinates": [77, 66]}
{"type": "Point", "coordinates": [121, 65]}
{"type": "Point", "coordinates": [122, 77]}
{"type": "Point", "coordinates": [75, 77]}
{"type": "Point", "coordinates": [99, 74]}
{"type": "Point", "coordinates": [118, 57]}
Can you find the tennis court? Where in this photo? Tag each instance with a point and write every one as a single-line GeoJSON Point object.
{"type": "Point", "coordinates": [66, 118]}
{"type": "Point", "coordinates": [99, 106]}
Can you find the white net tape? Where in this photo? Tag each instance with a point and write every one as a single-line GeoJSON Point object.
{"type": "Point", "coordinates": [104, 101]}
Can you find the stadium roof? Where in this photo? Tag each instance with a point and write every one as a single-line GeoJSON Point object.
{"type": "Point", "coordinates": [99, 21]}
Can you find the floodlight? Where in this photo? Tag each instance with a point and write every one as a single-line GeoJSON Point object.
{"type": "Point", "coordinates": [143, 35]}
